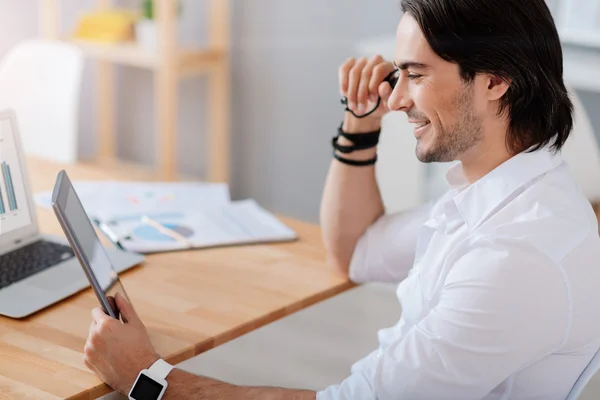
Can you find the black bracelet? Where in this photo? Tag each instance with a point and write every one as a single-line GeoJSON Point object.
{"type": "Point", "coordinates": [360, 141]}
{"type": "Point", "coordinates": [350, 149]}
{"type": "Point", "coordinates": [355, 163]}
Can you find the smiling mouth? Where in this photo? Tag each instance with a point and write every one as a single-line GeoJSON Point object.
{"type": "Point", "coordinates": [420, 127]}
{"type": "Point", "coordinates": [421, 124]}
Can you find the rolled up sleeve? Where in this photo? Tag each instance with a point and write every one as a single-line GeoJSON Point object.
{"type": "Point", "coordinates": [386, 252]}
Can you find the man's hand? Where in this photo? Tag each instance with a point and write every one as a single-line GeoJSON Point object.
{"type": "Point", "coordinates": [351, 198]}
{"type": "Point", "coordinates": [118, 351]}
{"type": "Point", "coordinates": [361, 81]}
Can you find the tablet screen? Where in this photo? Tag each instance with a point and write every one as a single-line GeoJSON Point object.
{"type": "Point", "coordinates": [84, 239]}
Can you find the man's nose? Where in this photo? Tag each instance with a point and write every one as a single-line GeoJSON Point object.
{"type": "Point", "coordinates": [400, 99]}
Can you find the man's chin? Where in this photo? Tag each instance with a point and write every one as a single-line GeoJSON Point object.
{"type": "Point", "coordinates": [428, 157]}
{"type": "Point", "coordinates": [423, 154]}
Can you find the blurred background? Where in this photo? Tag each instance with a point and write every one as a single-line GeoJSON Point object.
{"type": "Point", "coordinates": [282, 102]}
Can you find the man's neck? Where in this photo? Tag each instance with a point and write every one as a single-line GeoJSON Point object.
{"type": "Point", "coordinates": [490, 152]}
{"type": "Point", "coordinates": [481, 160]}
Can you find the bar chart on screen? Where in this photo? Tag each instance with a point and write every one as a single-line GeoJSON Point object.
{"type": "Point", "coordinates": [14, 207]}
{"type": "Point", "coordinates": [9, 189]}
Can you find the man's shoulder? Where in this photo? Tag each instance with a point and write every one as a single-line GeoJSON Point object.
{"type": "Point", "coordinates": [554, 219]}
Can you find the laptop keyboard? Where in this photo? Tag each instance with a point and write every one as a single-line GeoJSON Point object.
{"type": "Point", "coordinates": [31, 259]}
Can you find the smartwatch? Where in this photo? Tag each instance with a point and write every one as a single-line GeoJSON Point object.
{"type": "Point", "coordinates": [151, 383]}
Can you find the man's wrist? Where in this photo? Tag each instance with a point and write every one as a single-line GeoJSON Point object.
{"type": "Point", "coordinates": [353, 125]}
{"type": "Point", "coordinates": [359, 155]}
{"type": "Point", "coordinates": [360, 125]}
{"type": "Point", "coordinates": [144, 363]}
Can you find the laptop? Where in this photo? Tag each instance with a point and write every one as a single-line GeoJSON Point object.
{"type": "Point", "coordinates": [36, 270]}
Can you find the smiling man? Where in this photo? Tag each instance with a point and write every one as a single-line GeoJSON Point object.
{"type": "Point", "coordinates": [498, 279]}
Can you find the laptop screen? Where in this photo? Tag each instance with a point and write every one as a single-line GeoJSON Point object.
{"type": "Point", "coordinates": [14, 206]}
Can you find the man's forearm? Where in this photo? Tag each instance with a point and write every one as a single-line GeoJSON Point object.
{"type": "Point", "coordinates": [183, 385]}
{"type": "Point", "coordinates": [351, 200]}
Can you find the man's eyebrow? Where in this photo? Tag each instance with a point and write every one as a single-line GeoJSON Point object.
{"type": "Point", "coordinates": [410, 64]}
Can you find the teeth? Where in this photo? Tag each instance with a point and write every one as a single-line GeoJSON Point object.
{"type": "Point", "coordinates": [421, 124]}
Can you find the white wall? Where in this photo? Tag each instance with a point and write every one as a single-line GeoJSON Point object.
{"type": "Point", "coordinates": [18, 21]}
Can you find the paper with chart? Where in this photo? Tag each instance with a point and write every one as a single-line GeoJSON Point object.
{"type": "Point", "coordinates": [199, 214]}
{"type": "Point", "coordinates": [106, 198]}
{"type": "Point", "coordinates": [242, 222]}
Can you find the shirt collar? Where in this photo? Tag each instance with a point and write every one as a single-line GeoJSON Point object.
{"type": "Point", "coordinates": [477, 201]}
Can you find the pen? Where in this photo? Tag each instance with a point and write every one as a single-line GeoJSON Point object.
{"type": "Point", "coordinates": [166, 231]}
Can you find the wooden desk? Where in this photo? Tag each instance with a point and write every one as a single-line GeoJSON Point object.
{"type": "Point", "coordinates": [190, 301]}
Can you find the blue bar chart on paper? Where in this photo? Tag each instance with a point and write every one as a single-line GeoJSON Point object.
{"type": "Point", "coordinates": [9, 188]}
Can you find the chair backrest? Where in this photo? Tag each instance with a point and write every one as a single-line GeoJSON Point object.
{"type": "Point", "coordinates": [592, 368]}
{"type": "Point", "coordinates": [582, 153]}
{"type": "Point", "coordinates": [41, 81]}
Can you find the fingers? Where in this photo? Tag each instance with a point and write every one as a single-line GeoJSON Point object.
{"type": "Point", "coordinates": [380, 72]}
{"type": "Point", "coordinates": [126, 309]}
{"type": "Point", "coordinates": [364, 92]}
{"type": "Point", "coordinates": [385, 91]}
{"type": "Point", "coordinates": [353, 82]}
{"type": "Point", "coordinates": [360, 79]}
{"type": "Point", "coordinates": [88, 358]}
{"type": "Point", "coordinates": [89, 350]}
{"type": "Point", "coordinates": [98, 315]}
{"type": "Point", "coordinates": [343, 73]}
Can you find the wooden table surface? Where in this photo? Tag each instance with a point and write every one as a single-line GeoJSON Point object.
{"type": "Point", "coordinates": [190, 301]}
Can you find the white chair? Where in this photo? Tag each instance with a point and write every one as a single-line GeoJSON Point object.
{"type": "Point", "coordinates": [41, 80]}
{"type": "Point", "coordinates": [582, 153]}
{"type": "Point", "coordinates": [585, 377]}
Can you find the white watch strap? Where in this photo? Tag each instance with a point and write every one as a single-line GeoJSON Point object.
{"type": "Point", "coordinates": [160, 369]}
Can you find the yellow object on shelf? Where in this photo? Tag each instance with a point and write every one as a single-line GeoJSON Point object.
{"type": "Point", "coordinates": [107, 26]}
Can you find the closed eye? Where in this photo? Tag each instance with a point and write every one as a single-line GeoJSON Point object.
{"type": "Point", "coordinates": [413, 76]}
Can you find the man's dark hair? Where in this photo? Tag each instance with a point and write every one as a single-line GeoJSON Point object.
{"type": "Point", "coordinates": [516, 40]}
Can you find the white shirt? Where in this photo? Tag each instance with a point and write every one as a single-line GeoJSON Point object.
{"type": "Point", "coordinates": [500, 289]}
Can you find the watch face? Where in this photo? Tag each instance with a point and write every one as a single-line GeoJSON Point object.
{"type": "Point", "coordinates": [146, 389]}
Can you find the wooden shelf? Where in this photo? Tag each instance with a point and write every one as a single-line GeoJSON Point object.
{"type": "Point", "coordinates": [169, 63]}
{"type": "Point", "coordinates": [113, 165]}
{"type": "Point", "coordinates": [124, 53]}
{"type": "Point", "coordinates": [132, 54]}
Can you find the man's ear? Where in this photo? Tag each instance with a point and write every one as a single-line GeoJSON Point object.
{"type": "Point", "coordinates": [497, 87]}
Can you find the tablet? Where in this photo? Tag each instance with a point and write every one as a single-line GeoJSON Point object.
{"type": "Point", "coordinates": [86, 245]}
